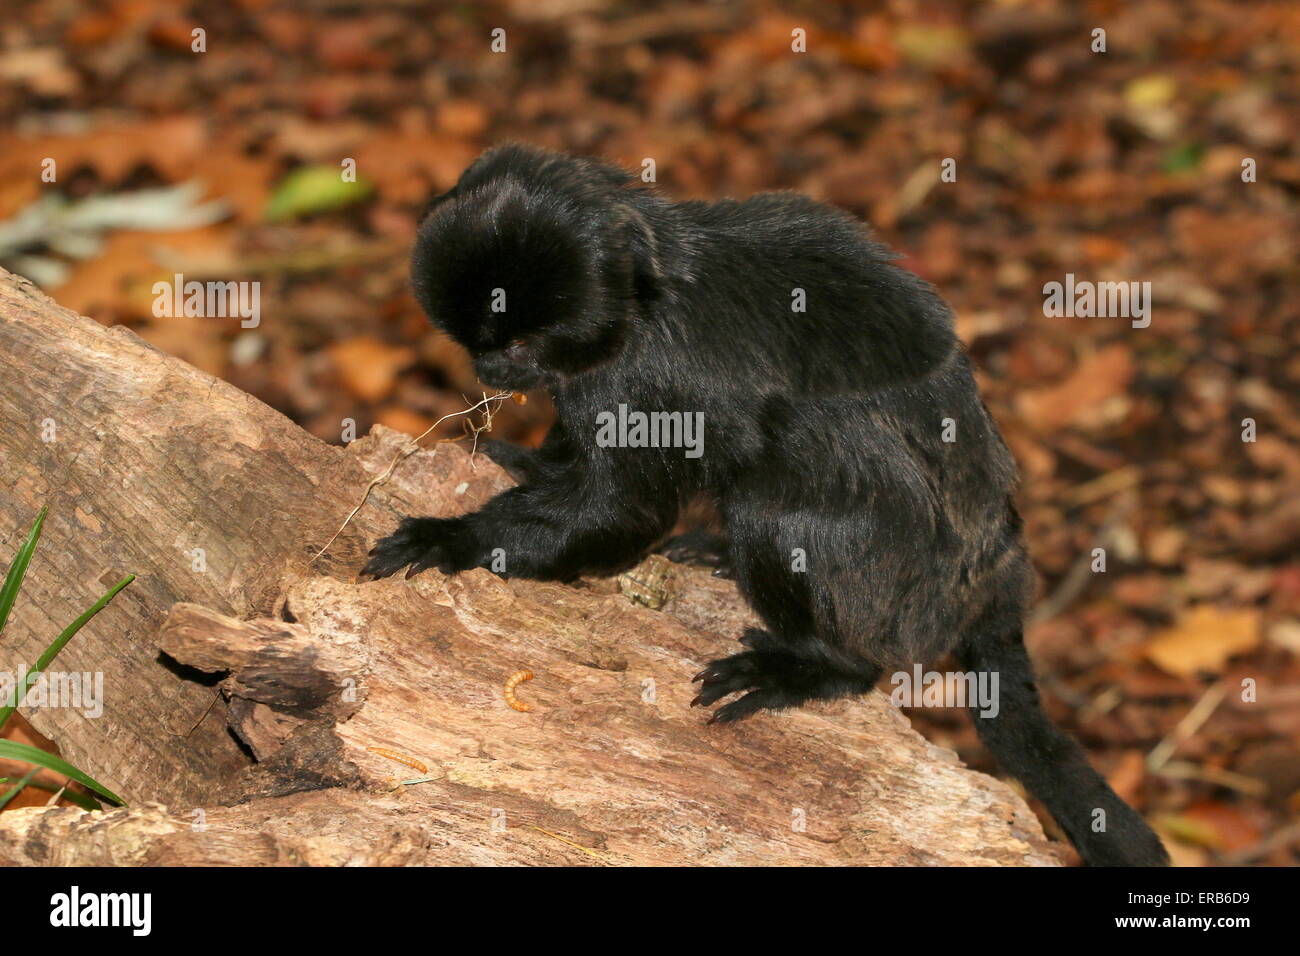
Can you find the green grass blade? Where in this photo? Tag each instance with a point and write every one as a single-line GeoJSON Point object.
{"type": "Point", "coordinates": [52, 651]}
{"type": "Point", "coordinates": [83, 800]}
{"type": "Point", "coordinates": [9, 795]}
{"type": "Point", "coordinates": [17, 570]}
{"type": "Point", "coordinates": [12, 750]}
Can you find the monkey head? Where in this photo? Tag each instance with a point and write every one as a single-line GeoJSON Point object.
{"type": "Point", "coordinates": [536, 263]}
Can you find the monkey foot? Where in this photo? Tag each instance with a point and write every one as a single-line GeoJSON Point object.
{"type": "Point", "coordinates": [702, 548]}
{"type": "Point", "coordinates": [422, 543]}
{"type": "Point", "coordinates": [769, 677]}
{"type": "Point", "coordinates": [774, 677]}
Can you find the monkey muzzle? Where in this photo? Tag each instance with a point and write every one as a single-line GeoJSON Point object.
{"type": "Point", "coordinates": [514, 373]}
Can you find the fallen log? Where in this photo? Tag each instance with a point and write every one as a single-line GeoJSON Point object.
{"type": "Point", "coordinates": [266, 708]}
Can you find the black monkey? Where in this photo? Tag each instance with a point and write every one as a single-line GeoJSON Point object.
{"type": "Point", "coordinates": [847, 436]}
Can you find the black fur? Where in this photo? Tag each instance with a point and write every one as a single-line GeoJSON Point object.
{"type": "Point", "coordinates": [823, 432]}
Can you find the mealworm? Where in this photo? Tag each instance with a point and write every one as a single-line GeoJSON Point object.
{"type": "Point", "coordinates": [400, 758]}
{"type": "Point", "coordinates": [511, 683]}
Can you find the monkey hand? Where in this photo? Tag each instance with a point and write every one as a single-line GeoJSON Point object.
{"type": "Point", "coordinates": [447, 544]}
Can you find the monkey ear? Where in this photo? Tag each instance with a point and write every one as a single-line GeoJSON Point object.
{"type": "Point", "coordinates": [637, 241]}
{"type": "Point", "coordinates": [434, 200]}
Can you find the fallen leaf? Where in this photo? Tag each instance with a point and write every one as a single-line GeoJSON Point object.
{"type": "Point", "coordinates": [1092, 396]}
{"type": "Point", "coordinates": [1286, 634]}
{"type": "Point", "coordinates": [403, 420]}
{"type": "Point", "coordinates": [369, 367]}
{"type": "Point", "coordinates": [1149, 91]}
{"type": "Point", "coordinates": [312, 189]}
{"type": "Point", "coordinates": [1224, 824]}
{"type": "Point", "coordinates": [1190, 830]}
{"type": "Point", "coordinates": [1203, 639]}
{"type": "Point", "coordinates": [1126, 777]}
{"type": "Point", "coordinates": [1164, 546]}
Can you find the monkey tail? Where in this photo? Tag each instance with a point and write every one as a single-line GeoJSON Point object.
{"type": "Point", "coordinates": [1103, 828]}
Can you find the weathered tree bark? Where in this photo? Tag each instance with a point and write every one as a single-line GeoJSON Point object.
{"type": "Point", "coordinates": [244, 684]}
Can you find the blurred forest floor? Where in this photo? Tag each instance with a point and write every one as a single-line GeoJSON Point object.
{"type": "Point", "coordinates": [1124, 165]}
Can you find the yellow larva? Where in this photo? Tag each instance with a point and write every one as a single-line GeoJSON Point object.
{"type": "Point", "coordinates": [400, 758]}
{"type": "Point", "coordinates": [511, 683]}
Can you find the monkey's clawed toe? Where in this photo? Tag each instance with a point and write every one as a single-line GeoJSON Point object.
{"type": "Point", "coordinates": [758, 672]}
{"type": "Point", "coordinates": [751, 703]}
{"type": "Point", "coordinates": [776, 675]}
